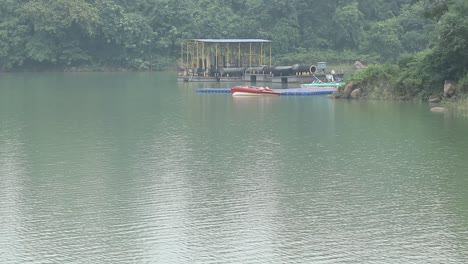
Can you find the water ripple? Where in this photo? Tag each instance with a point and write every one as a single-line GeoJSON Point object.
{"type": "Point", "coordinates": [133, 178]}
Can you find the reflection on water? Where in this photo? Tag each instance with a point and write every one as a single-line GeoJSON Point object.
{"type": "Point", "coordinates": [136, 168]}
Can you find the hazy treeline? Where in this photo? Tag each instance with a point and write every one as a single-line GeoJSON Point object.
{"type": "Point", "coordinates": [143, 34]}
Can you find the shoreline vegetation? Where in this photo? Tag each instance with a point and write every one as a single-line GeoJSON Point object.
{"type": "Point", "coordinates": [437, 74]}
{"type": "Point", "coordinates": [391, 82]}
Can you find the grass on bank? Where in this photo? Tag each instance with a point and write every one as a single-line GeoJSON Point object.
{"type": "Point", "coordinates": [458, 106]}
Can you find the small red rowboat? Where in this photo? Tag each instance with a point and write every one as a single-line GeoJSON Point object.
{"type": "Point", "coordinates": [252, 90]}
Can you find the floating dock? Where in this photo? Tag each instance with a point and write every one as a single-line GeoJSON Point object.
{"type": "Point", "coordinates": [292, 91]}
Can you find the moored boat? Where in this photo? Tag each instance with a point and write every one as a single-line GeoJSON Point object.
{"type": "Point", "coordinates": [252, 90]}
{"type": "Point", "coordinates": [323, 85]}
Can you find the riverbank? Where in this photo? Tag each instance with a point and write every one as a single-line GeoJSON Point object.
{"type": "Point", "coordinates": [401, 82]}
{"type": "Point", "coordinates": [458, 106]}
{"type": "Point", "coordinates": [386, 81]}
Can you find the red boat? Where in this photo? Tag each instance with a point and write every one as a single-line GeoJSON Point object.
{"type": "Point", "coordinates": [252, 90]}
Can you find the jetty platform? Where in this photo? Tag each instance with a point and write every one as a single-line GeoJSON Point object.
{"type": "Point", "coordinates": [284, 92]}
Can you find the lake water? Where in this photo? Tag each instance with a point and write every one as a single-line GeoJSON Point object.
{"type": "Point", "coordinates": [137, 168]}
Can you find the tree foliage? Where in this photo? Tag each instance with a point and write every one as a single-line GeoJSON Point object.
{"type": "Point", "coordinates": [144, 34]}
{"type": "Point", "coordinates": [383, 39]}
{"type": "Point", "coordinates": [450, 42]}
{"type": "Point", "coordinates": [422, 74]}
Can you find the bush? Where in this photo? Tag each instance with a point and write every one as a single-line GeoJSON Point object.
{"type": "Point", "coordinates": [416, 78]}
{"type": "Point", "coordinates": [377, 81]}
{"type": "Point", "coordinates": [462, 85]}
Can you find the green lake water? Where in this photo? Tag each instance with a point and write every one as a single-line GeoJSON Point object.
{"type": "Point", "coordinates": [138, 168]}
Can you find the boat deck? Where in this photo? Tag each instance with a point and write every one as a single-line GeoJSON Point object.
{"type": "Point", "coordinates": [292, 91]}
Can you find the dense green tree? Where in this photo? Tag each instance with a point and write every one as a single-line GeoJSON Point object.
{"type": "Point", "coordinates": [13, 36]}
{"type": "Point", "coordinates": [434, 9]}
{"type": "Point", "coordinates": [141, 34]}
{"type": "Point", "coordinates": [415, 28]}
{"type": "Point", "coordinates": [125, 38]}
{"type": "Point", "coordinates": [317, 22]}
{"type": "Point", "coordinates": [422, 74]}
{"type": "Point", "coordinates": [349, 26]}
{"type": "Point", "coordinates": [450, 42]}
{"type": "Point", "coordinates": [383, 38]}
{"type": "Point", "coordinates": [58, 29]}
{"type": "Point", "coordinates": [172, 22]}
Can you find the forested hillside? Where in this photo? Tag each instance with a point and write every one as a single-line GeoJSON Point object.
{"type": "Point", "coordinates": [144, 34]}
{"type": "Point", "coordinates": [423, 74]}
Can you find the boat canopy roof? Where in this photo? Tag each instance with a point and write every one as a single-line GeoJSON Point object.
{"type": "Point", "coordinates": [232, 40]}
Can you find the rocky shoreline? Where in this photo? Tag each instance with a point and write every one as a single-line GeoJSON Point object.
{"type": "Point", "coordinates": [448, 98]}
